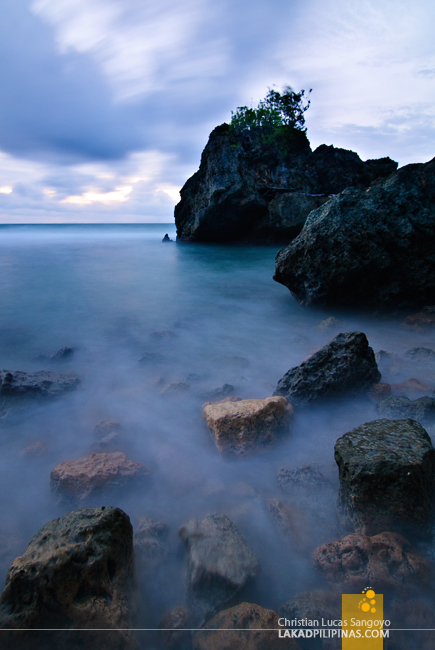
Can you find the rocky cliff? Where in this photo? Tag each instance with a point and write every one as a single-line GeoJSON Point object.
{"type": "Point", "coordinates": [253, 191]}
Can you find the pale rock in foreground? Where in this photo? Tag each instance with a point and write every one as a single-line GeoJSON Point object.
{"type": "Point", "coordinates": [77, 572]}
{"type": "Point", "coordinates": [76, 480]}
{"type": "Point", "coordinates": [219, 562]}
{"type": "Point", "coordinates": [247, 426]}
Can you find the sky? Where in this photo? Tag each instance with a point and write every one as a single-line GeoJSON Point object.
{"type": "Point", "coordinates": [106, 105]}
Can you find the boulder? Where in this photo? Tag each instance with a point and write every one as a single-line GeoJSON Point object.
{"type": "Point", "coordinates": [249, 426]}
{"type": "Point", "coordinates": [386, 472]}
{"type": "Point", "coordinates": [379, 391]}
{"type": "Point", "coordinates": [93, 475]}
{"type": "Point", "coordinates": [345, 366]}
{"type": "Point", "coordinates": [394, 408]}
{"type": "Point", "coordinates": [41, 384]}
{"type": "Point", "coordinates": [220, 562]}
{"type": "Point", "coordinates": [246, 189]}
{"type": "Point", "coordinates": [412, 388]}
{"type": "Point", "coordinates": [382, 561]}
{"type": "Point", "coordinates": [245, 616]}
{"type": "Point", "coordinates": [177, 621]}
{"type": "Point", "coordinates": [150, 544]}
{"type": "Point", "coordinates": [367, 247]}
{"type": "Point", "coordinates": [77, 572]}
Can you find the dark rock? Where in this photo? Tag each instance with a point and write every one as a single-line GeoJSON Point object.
{"type": "Point", "coordinates": [177, 622]}
{"type": "Point", "coordinates": [394, 408]}
{"type": "Point", "coordinates": [245, 616]}
{"type": "Point", "coordinates": [93, 475]}
{"type": "Point", "coordinates": [307, 478]}
{"type": "Point", "coordinates": [219, 562]}
{"type": "Point", "coordinates": [313, 605]}
{"type": "Point", "coordinates": [420, 353]}
{"type": "Point", "coordinates": [368, 247]}
{"type": "Point", "coordinates": [63, 354]}
{"type": "Point", "coordinates": [246, 189]}
{"type": "Point", "coordinates": [244, 427]}
{"type": "Point", "coordinates": [150, 537]}
{"type": "Point", "coordinates": [345, 366]}
{"type": "Point", "coordinates": [386, 476]}
{"type": "Point", "coordinates": [41, 384]}
{"type": "Point", "coordinates": [166, 238]}
{"type": "Point", "coordinates": [218, 393]}
{"type": "Point", "coordinates": [382, 561]}
{"type": "Point", "coordinates": [77, 572]}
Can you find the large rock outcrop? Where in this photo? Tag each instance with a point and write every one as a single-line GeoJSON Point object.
{"type": "Point", "coordinates": [386, 472]}
{"type": "Point", "coordinates": [219, 562]}
{"type": "Point", "coordinates": [345, 366]}
{"type": "Point", "coordinates": [372, 247]}
{"type": "Point", "coordinates": [248, 190]}
{"type": "Point", "coordinates": [77, 572]}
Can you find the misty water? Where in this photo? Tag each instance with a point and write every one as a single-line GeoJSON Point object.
{"type": "Point", "coordinates": [104, 290]}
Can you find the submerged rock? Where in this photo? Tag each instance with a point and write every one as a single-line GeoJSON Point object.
{"type": "Point", "coordinates": [420, 353]}
{"type": "Point", "coordinates": [313, 605]}
{"type": "Point", "coordinates": [218, 393]}
{"type": "Point", "coordinates": [412, 388]}
{"type": "Point", "coordinates": [381, 561]}
{"type": "Point", "coordinates": [248, 190]}
{"type": "Point", "coordinates": [422, 410]}
{"type": "Point", "coordinates": [306, 478]}
{"type": "Point", "coordinates": [150, 539]}
{"type": "Point", "coordinates": [379, 391]}
{"type": "Point", "coordinates": [90, 476]}
{"type": "Point", "coordinates": [422, 321]}
{"type": "Point", "coordinates": [291, 522]}
{"type": "Point", "coordinates": [345, 366]}
{"type": "Point", "coordinates": [63, 354]}
{"type": "Point", "coordinates": [41, 384]}
{"type": "Point", "coordinates": [108, 434]}
{"type": "Point", "coordinates": [244, 427]}
{"type": "Point", "coordinates": [245, 616]}
{"type": "Point", "coordinates": [368, 247]}
{"type": "Point", "coordinates": [77, 572]}
{"type": "Point", "coordinates": [386, 472]}
{"type": "Point", "coordinates": [219, 562]}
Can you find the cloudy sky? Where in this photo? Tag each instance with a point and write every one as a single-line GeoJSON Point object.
{"type": "Point", "coordinates": [107, 104]}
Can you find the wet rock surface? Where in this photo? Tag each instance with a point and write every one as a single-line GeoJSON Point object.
{"type": "Point", "coordinates": [422, 409]}
{"type": "Point", "coordinates": [90, 476]}
{"type": "Point", "coordinates": [219, 562]}
{"type": "Point", "coordinates": [305, 478]}
{"type": "Point", "coordinates": [42, 384]}
{"type": "Point", "coordinates": [386, 472]}
{"type": "Point", "coordinates": [382, 561]}
{"type": "Point", "coordinates": [245, 616]}
{"type": "Point", "coordinates": [77, 572]}
{"type": "Point", "coordinates": [245, 427]}
{"type": "Point", "coordinates": [245, 189]}
{"type": "Point", "coordinates": [368, 247]}
{"type": "Point", "coordinates": [345, 366]}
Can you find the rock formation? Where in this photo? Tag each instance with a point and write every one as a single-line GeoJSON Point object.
{"type": "Point", "coordinates": [345, 366]}
{"type": "Point", "coordinates": [77, 572]}
{"type": "Point", "coordinates": [369, 247]}
{"type": "Point", "coordinates": [387, 477]}
{"type": "Point", "coordinates": [42, 384]}
{"type": "Point", "coordinates": [252, 191]}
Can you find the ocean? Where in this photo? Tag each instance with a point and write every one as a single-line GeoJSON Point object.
{"type": "Point", "coordinates": [104, 290]}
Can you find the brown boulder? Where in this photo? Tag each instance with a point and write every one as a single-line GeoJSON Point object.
{"type": "Point", "coordinates": [379, 391]}
{"type": "Point", "coordinates": [422, 321]}
{"type": "Point", "coordinates": [247, 426]}
{"type": "Point", "coordinates": [412, 388]}
{"type": "Point", "coordinates": [382, 561]}
{"type": "Point", "coordinates": [79, 479]}
{"type": "Point", "coordinates": [76, 573]}
{"type": "Point", "coordinates": [246, 616]}
{"type": "Point", "coordinates": [178, 622]}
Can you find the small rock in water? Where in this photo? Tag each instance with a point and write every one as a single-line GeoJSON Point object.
{"type": "Point", "coordinates": [166, 238]}
{"type": "Point", "coordinates": [328, 323]}
{"type": "Point", "coordinates": [177, 622]}
{"type": "Point", "coordinates": [175, 390]}
{"type": "Point", "coordinates": [108, 433]}
{"type": "Point", "coordinates": [345, 366]}
{"type": "Point", "coordinates": [420, 353]}
{"type": "Point", "coordinates": [218, 393]}
{"type": "Point", "coordinates": [61, 355]}
{"type": "Point", "coordinates": [422, 410]}
{"type": "Point", "coordinates": [41, 384]}
{"type": "Point", "coordinates": [77, 480]}
{"type": "Point", "coordinates": [37, 450]}
{"type": "Point", "coordinates": [245, 616]}
{"type": "Point", "coordinates": [379, 391]}
{"type": "Point", "coordinates": [412, 388]}
{"type": "Point", "coordinates": [420, 322]}
{"type": "Point", "coordinates": [307, 477]}
{"type": "Point", "coordinates": [386, 472]}
{"type": "Point", "coordinates": [219, 562]}
{"type": "Point", "coordinates": [77, 572]}
{"type": "Point", "coordinates": [381, 561]}
{"type": "Point", "coordinates": [247, 426]}
{"type": "Point", "coordinates": [150, 537]}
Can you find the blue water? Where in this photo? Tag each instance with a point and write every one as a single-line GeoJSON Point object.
{"type": "Point", "coordinates": [104, 290]}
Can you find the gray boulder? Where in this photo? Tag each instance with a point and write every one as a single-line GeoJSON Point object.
{"type": "Point", "coordinates": [77, 572]}
{"type": "Point", "coordinates": [42, 384]}
{"type": "Point", "coordinates": [394, 407]}
{"type": "Point", "coordinates": [246, 189]}
{"type": "Point", "coordinates": [386, 470]}
{"type": "Point", "coordinates": [219, 562]}
{"type": "Point", "coordinates": [346, 365]}
{"type": "Point", "coordinates": [368, 247]}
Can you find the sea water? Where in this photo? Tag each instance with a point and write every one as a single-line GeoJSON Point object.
{"type": "Point", "coordinates": [104, 290]}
